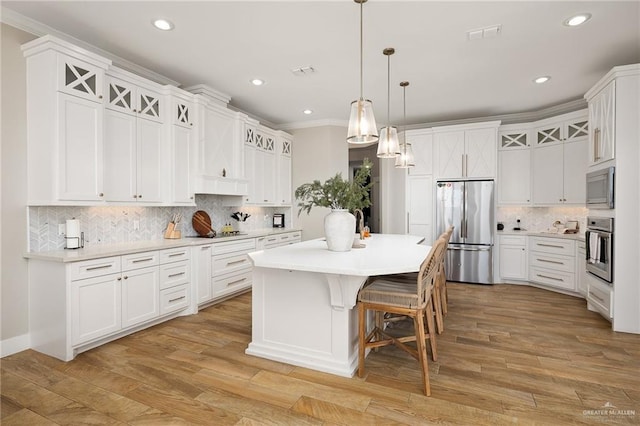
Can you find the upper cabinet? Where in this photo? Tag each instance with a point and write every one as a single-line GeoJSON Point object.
{"type": "Point", "coordinates": [560, 159]}
{"type": "Point", "coordinates": [284, 149]}
{"type": "Point", "coordinates": [422, 143]}
{"type": "Point", "coordinates": [65, 120]}
{"type": "Point", "coordinates": [602, 117]}
{"type": "Point", "coordinates": [466, 151]}
{"type": "Point", "coordinates": [514, 165]}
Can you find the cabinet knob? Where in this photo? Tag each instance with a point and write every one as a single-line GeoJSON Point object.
{"type": "Point", "coordinates": [99, 96]}
{"type": "Point", "coordinates": [140, 196]}
{"type": "Point", "coordinates": [191, 197]}
{"type": "Point", "coordinates": [101, 194]}
{"type": "Point", "coordinates": [134, 110]}
{"type": "Point", "coordinates": [190, 124]}
{"type": "Point", "coordinates": [135, 196]}
{"type": "Point", "coordinates": [119, 278]}
{"type": "Point", "coordinates": [126, 277]}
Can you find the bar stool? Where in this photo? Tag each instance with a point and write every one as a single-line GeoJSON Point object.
{"type": "Point", "coordinates": [400, 298]}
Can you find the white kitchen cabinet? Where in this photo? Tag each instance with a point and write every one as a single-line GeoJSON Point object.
{"type": "Point", "coordinates": [180, 187]}
{"type": "Point", "coordinates": [181, 165]}
{"type": "Point", "coordinates": [278, 240]}
{"type": "Point", "coordinates": [466, 151]}
{"type": "Point", "coordinates": [140, 296]}
{"type": "Point", "coordinates": [565, 128]}
{"type": "Point", "coordinates": [125, 94]}
{"type": "Point", "coordinates": [420, 206]}
{"type": "Point", "coordinates": [96, 307]}
{"type": "Point", "coordinates": [552, 262]}
{"type": "Point", "coordinates": [65, 108]}
{"type": "Point", "coordinates": [422, 144]}
{"type": "Point", "coordinates": [581, 268]}
{"type": "Point", "coordinates": [513, 257]}
{"type": "Point", "coordinates": [558, 173]}
{"type": "Point", "coordinates": [602, 131]}
{"type": "Point", "coordinates": [202, 268]}
{"type": "Point", "coordinates": [283, 186]}
{"type": "Point", "coordinates": [514, 166]}
{"type": "Point", "coordinates": [182, 112]}
{"type": "Point", "coordinates": [261, 166]}
{"type": "Point", "coordinates": [231, 267]}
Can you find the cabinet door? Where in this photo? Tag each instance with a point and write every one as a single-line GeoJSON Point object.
{"type": "Point", "coordinates": [181, 175]}
{"type": "Point", "coordinates": [513, 262]}
{"type": "Point", "coordinates": [121, 96]}
{"type": "Point", "coordinates": [149, 148]}
{"type": "Point", "coordinates": [450, 152]}
{"type": "Point", "coordinates": [182, 113]}
{"type": "Point", "coordinates": [549, 134]}
{"type": "Point", "coordinates": [250, 173]}
{"type": "Point", "coordinates": [602, 125]}
{"type": "Point", "coordinates": [480, 150]}
{"type": "Point", "coordinates": [284, 180]}
{"type": "Point", "coordinates": [119, 156]}
{"type": "Point", "coordinates": [268, 169]}
{"type": "Point", "coordinates": [218, 145]}
{"type": "Point", "coordinates": [80, 79]}
{"type": "Point", "coordinates": [150, 105]}
{"type": "Point", "coordinates": [422, 145]}
{"type": "Point", "coordinates": [420, 206]}
{"type": "Point", "coordinates": [581, 268]}
{"type": "Point", "coordinates": [203, 274]}
{"type": "Point", "coordinates": [576, 129]}
{"type": "Point", "coordinates": [514, 176]}
{"type": "Point", "coordinates": [575, 170]}
{"type": "Point", "coordinates": [95, 307]}
{"type": "Point", "coordinates": [548, 172]}
{"type": "Point", "coordinates": [80, 152]}
{"type": "Point", "coordinates": [140, 296]}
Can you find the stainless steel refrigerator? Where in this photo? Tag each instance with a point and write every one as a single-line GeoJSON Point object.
{"type": "Point", "coordinates": [468, 205]}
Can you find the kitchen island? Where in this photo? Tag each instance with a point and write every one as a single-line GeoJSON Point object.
{"type": "Point", "coordinates": [304, 297]}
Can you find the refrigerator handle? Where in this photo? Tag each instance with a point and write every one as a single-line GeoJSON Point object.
{"type": "Point", "coordinates": [407, 222]}
{"type": "Point", "coordinates": [463, 225]}
{"type": "Point", "coordinates": [469, 249]}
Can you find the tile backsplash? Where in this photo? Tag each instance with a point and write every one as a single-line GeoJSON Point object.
{"type": "Point", "coordinates": [107, 225]}
{"type": "Point", "coordinates": [539, 219]}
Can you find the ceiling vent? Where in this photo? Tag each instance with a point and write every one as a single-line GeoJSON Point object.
{"type": "Point", "coordinates": [487, 32]}
{"type": "Point", "coordinates": [303, 71]}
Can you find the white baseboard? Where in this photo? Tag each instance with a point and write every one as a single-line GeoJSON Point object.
{"type": "Point", "coordinates": [14, 345]}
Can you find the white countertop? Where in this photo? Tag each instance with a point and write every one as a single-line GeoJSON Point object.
{"type": "Point", "coordinates": [578, 237]}
{"type": "Point", "coordinates": [107, 250]}
{"type": "Point", "coordinates": [383, 254]}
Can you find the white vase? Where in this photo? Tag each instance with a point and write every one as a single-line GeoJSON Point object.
{"type": "Point", "coordinates": [339, 226]}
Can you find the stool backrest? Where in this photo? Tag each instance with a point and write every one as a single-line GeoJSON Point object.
{"type": "Point", "coordinates": [429, 270]}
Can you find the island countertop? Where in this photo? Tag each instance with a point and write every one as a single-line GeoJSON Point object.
{"type": "Point", "coordinates": [383, 254]}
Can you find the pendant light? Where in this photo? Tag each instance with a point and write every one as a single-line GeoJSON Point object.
{"type": "Point", "coordinates": [388, 146]}
{"type": "Point", "coordinates": [405, 158]}
{"type": "Point", "coordinates": [362, 123]}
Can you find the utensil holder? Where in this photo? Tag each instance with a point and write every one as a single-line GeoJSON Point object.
{"type": "Point", "coordinates": [172, 233]}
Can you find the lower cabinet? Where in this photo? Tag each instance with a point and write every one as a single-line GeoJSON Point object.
{"type": "Point", "coordinates": [107, 298]}
{"type": "Point", "coordinates": [581, 268]}
{"type": "Point", "coordinates": [513, 257]}
{"type": "Point", "coordinates": [552, 262]}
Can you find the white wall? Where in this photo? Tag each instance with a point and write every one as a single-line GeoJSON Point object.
{"type": "Point", "coordinates": [13, 195]}
{"type": "Point", "coordinates": [318, 153]}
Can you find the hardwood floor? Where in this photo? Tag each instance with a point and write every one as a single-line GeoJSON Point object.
{"type": "Point", "coordinates": [509, 354]}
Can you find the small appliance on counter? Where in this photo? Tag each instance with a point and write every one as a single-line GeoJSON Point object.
{"type": "Point", "coordinates": [278, 220]}
{"type": "Point", "coordinates": [74, 239]}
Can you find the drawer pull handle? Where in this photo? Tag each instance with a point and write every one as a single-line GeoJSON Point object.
{"type": "Point", "coordinates": [596, 297]}
{"type": "Point", "coordinates": [549, 245]}
{"type": "Point", "coordinates": [94, 268]}
{"type": "Point", "coordinates": [146, 259]}
{"type": "Point", "coordinates": [235, 262]}
{"type": "Point", "coordinates": [271, 239]}
{"type": "Point", "coordinates": [550, 261]}
{"type": "Point", "coordinates": [177, 298]}
{"type": "Point", "coordinates": [177, 254]}
{"type": "Point", "coordinates": [551, 278]}
{"type": "Point", "coordinates": [176, 275]}
{"type": "Point", "coordinates": [236, 282]}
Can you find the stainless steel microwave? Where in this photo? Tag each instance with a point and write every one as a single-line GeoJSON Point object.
{"type": "Point", "coordinates": [600, 188]}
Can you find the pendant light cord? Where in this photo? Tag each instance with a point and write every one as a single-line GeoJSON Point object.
{"type": "Point", "coordinates": [361, 54]}
{"type": "Point", "coordinates": [404, 119]}
{"type": "Point", "coordinates": [388, 88]}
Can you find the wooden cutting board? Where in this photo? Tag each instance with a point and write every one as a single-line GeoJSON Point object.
{"type": "Point", "coordinates": [201, 223]}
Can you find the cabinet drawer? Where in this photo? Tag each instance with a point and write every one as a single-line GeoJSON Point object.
{"type": "Point", "coordinates": [245, 246]}
{"type": "Point", "coordinates": [550, 261]}
{"type": "Point", "coordinates": [223, 265]}
{"type": "Point", "coordinates": [552, 245]}
{"type": "Point", "coordinates": [230, 284]}
{"type": "Point", "coordinates": [173, 274]}
{"type": "Point", "coordinates": [513, 240]}
{"type": "Point", "coordinates": [600, 295]}
{"type": "Point", "coordinates": [140, 260]}
{"type": "Point", "coordinates": [174, 255]}
{"type": "Point", "coordinates": [552, 278]}
{"type": "Point", "coordinates": [174, 299]}
{"type": "Point", "coordinates": [271, 242]}
{"type": "Point", "coordinates": [94, 268]}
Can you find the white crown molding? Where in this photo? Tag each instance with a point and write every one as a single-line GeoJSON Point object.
{"type": "Point", "coordinates": [34, 27]}
{"type": "Point", "coordinates": [314, 123]}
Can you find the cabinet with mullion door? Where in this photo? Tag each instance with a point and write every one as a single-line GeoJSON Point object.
{"type": "Point", "coordinates": [514, 165]}
{"type": "Point", "coordinates": [560, 160]}
{"type": "Point", "coordinates": [260, 165]}
{"type": "Point", "coordinates": [65, 107]}
{"type": "Point", "coordinates": [283, 187]}
{"type": "Point", "coordinates": [602, 117]}
{"type": "Point", "coordinates": [182, 122]}
{"type": "Point", "coordinates": [134, 136]}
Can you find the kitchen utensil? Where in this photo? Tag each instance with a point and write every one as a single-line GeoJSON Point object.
{"type": "Point", "coordinates": [201, 223]}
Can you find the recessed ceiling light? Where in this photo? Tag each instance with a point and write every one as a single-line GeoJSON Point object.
{"type": "Point", "coordinates": [308, 111]}
{"type": "Point", "coordinates": [576, 20]}
{"type": "Point", "coordinates": [257, 82]}
{"type": "Point", "coordinates": [163, 24]}
{"type": "Point", "coordinates": [542, 79]}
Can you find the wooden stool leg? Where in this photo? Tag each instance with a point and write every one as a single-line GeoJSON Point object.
{"type": "Point", "coordinates": [361, 337]}
{"type": "Point", "coordinates": [431, 329]}
{"type": "Point", "coordinates": [422, 351]}
{"type": "Point", "coordinates": [443, 293]}
{"type": "Point", "coordinates": [437, 306]}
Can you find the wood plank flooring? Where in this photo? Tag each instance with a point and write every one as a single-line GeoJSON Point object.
{"type": "Point", "coordinates": [509, 354]}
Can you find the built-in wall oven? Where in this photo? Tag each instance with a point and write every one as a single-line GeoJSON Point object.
{"type": "Point", "coordinates": [599, 242]}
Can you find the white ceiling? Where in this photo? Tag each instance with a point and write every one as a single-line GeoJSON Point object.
{"type": "Point", "coordinates": [225, 44]}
